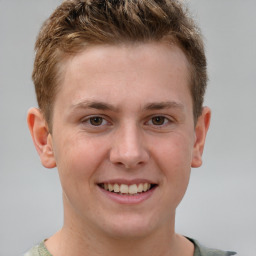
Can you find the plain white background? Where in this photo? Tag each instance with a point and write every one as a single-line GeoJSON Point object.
{"type": "Point", "coordinates": [219, 208]}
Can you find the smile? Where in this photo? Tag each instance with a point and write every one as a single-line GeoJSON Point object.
{"type": "Point", "coordinates": [124, 189]}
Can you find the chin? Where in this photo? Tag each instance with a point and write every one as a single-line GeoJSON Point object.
{"type": "Point", "coordinates": [130, 227]}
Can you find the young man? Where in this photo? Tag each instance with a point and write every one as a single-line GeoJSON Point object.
{"type": "Point", "coordinates": [120, 88]}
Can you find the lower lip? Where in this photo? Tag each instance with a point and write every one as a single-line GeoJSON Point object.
{"type": "Point", "coordinates": [128, 199]}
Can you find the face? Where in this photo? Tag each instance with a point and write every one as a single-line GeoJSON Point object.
{"type": "Point", "coordinates": [124, 137]}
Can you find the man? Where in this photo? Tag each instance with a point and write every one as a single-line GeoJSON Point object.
{"type": "Point", "coordinates": [120, 87]}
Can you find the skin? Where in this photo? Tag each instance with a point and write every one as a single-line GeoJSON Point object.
{"type": "Point", "coordinates": [144, 130]}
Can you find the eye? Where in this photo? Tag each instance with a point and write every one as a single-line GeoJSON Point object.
{"type": "Point", "coordinates": [96, 121]}
{"type": "Point", "coordinates": [158, 120]}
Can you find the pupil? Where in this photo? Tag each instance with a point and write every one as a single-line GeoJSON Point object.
{"type": "Point", "coordinates": [96, 120]}
{"type": "Point", "coordinates": [158, 120]}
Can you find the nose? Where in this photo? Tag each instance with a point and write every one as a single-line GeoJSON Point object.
{"type": "Point", "coordinates": [128, 149]}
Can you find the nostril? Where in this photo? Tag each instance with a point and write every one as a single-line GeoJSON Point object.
{"type": "Point", "coordinates": [132, 165]}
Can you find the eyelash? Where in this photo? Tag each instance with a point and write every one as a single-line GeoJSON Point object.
{"type": "Point", "coordinates": [165, 120]}
{"type": "Point", "coordinates": [88, 121]}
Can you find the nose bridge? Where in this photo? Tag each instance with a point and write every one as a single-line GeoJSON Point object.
{"type": "Point", "coordinates": [128, 146]}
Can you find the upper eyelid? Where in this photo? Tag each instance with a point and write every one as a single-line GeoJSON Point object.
{"type": "Point", "coordinates": [87, 118]}
{"type": "Point", "coordinates": [109, 120]}
{"type": "Point", "coordinates": [165, 124]}
{"type": "Point", "coordinates": [171, 119]}
{"type": "Point", "coordinates": [91, 116]}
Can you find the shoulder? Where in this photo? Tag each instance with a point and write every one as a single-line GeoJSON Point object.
{"type": "Point", "coordinates": [201, 250]}
{"type": "Point", "coordinates": [38, 250]}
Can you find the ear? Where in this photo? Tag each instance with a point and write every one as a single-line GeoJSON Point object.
{"type": "Point", "coordinates": [201, 129]}
{"type": "Point", "coordinates": [41, 137]}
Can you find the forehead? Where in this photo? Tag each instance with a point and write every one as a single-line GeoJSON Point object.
{"type": "Point", "coordinates": [143, 69]}
{"type": "Point", "coordinates": [126, 54]}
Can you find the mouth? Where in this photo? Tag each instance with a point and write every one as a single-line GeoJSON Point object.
{"type": "Point", "coordinates": [127, 190]}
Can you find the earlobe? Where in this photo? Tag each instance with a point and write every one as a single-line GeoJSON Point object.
{"type": "Point", "coordinates": [201, 129]}
{"type": "Point", "coordinates": [41, 137]}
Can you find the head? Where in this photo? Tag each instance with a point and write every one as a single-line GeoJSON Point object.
{"type": "Point", "coordinates": [120, 87]}
{"type": "Point", "coordinates": [78, 24]}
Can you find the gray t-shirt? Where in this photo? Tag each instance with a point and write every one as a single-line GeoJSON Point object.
{"type": "Point", "coordinates": [200, 250]}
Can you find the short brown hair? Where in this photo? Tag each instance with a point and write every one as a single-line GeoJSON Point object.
{"type": "Point", "coordinates": [77, 23]}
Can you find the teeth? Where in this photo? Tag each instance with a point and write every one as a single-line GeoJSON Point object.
{"type": "Point", "coordinates": [124, 189]}
{"type": "Point", "coordinates": [116, 188]}
{"type": "Point", "coordinates": [110, 187]}
{"type": "Point", "coordinates": [145, 186]}
{"type": "Point", "coordinates": [133, 189]}
{"type": "Point", "coordinates": [140, 188]}
{"type": "Point", "coordinates": [127, 189]}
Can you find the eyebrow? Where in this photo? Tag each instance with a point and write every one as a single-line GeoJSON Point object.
{"type": "Point", "coordinates": [94, 105]}
{"type": "Point", "coordinates": [164, 105]}
{"type": "Point", "coordinates": [106, 106]}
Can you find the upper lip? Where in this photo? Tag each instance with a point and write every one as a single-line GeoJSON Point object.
{"type": "Point", "coordinates": [127, 182]}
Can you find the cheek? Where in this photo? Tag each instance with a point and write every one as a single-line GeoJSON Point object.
{"type": "Point", "coordinates": [78, 161]}
{"type": "Point", "coordinates": [78, 158]}
{"type": "Point", "coordinates": [174, 160]}
{"type": "Point", "coordinates": [174, 152]}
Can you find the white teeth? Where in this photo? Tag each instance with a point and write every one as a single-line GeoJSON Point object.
{"type": "Point", "coordinates": [140, 188]}
{"type": "Point", "coordinates": [133, 189]}
{"type": "Point", "coordinates": [110, 188]}
{"type": "Point", "coordinates": [127, 189]}
{"type": "Point", "coordinates": [145, 186]}
{"type": "Point", "coordinates": [124, 189]}
{"type": "Point", "coordinates": [116, 188]}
